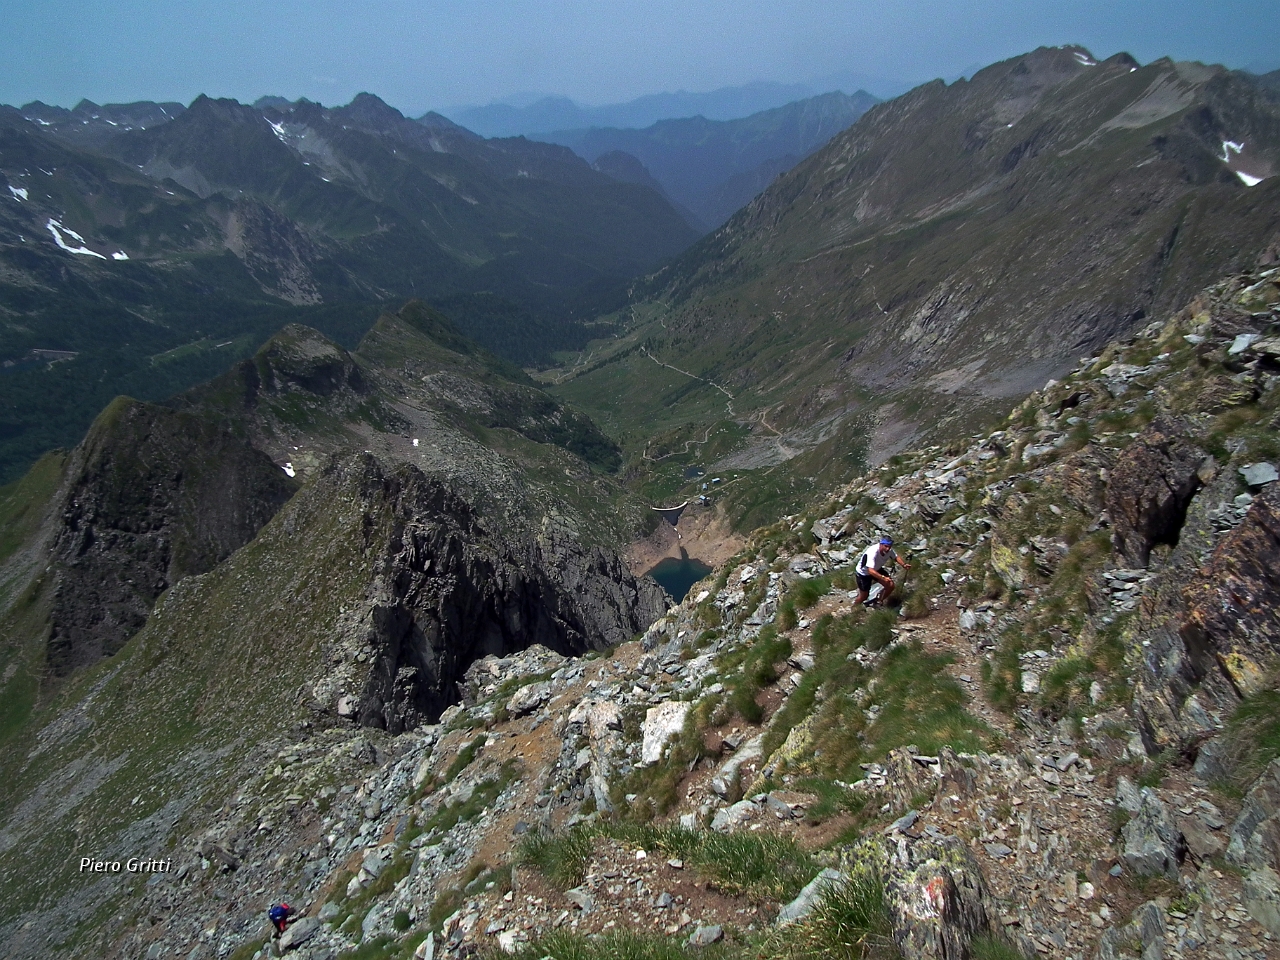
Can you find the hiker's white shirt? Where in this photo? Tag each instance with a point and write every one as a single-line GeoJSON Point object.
{"type": "Point", "coordinates": [872, 559]}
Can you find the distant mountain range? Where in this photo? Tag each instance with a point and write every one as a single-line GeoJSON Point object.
{"type": "Point", "coordinates": [534, 113]}
{"type": "Point", "coordinates": [713, 168]}
{"type": "Point", "coordinates": [151, 245]}
{"type": "Point", "coordinates": [549, 113]}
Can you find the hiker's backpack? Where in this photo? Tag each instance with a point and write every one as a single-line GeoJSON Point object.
{"type": "Point", "coordinates": [279, 912]}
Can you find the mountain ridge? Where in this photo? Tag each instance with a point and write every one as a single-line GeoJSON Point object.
{"type": "Point", "coordinates": [553, 112]}
{"type": "Point", "coordinates": [716, 167]}
{"type": "Point", "coordinates": [182, 247]}
{"type": "Point", "coordinates": [951, 249]}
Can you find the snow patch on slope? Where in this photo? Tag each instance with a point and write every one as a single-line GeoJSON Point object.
{"type": "Point", "coordinates": [57, 229]}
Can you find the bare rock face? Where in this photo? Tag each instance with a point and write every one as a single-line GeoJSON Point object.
{"type": "Point", "coordinates": [1078, 477]}
{"type": "Point", "coordinates": [1231, 608]}
{"type": "Point", "coordinates": [453, 590]}
{"type": "Point", "coordinates": [1150, 488]}
{"type": "Point", "coordinates": [1153, 846]}
{"type": "Point", "coordinates": [1144, 934]}
{"type": "Point", "coordinates": [153, 495]}
{"type": "Point", "coordinates": [1255, 848]}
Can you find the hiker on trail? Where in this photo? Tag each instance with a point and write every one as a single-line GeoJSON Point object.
{"type": "Point", "coordinates": [870, 569]}
{"type": "Point", "coordinates": [280, 915]}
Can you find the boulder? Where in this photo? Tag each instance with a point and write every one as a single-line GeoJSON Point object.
{"type": "Point", "coordinates": [723, 782]}
{"type": "Point", "coordinates": [661, 725]}
{"type": "Point", "coordinates": [705, 935]}
{"type": "Point", "coordinates": [529, 698]}
{"type": "Point", "coordinates": [1261, 804]}
{"type": "Point", "coordinates": [298, 933]}
{"type": "Point", "coordinates": [1153, 846]}
{"type": "Point", "coordinates": [1261, 894]}
{"type": "Point", "coordinates": [581, 898]}
{"type": "Point", "coordinates": [909, 776]}
{"type": "Point", "coordinates": [1201, 842]}
{"type": "Point", "coordinates": [1259, 474]}
{"type": "Point", "coordinates": [1127, 796]}
{"type": "Point", "coordinates": [730, 818]}
{"type": "Point", "coordinates": [1149, 490]}
{"type": "Point", "coordinates": [807, 898]}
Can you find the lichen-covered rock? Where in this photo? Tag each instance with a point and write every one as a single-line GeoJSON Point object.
{"type": "Point", "coordinates": [1149, 489]}
{"type": "Point", "coordinates": [941, 906]}
{"type": "Point", "coordinates": [911, 776]}
{"type": "Point", "coordinates": [1231, 608]}
{"type": "Point", "coordinates": [937, 898]}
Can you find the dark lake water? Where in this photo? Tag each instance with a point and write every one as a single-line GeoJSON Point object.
{"type": "Point", "coordinates": [678, 575]}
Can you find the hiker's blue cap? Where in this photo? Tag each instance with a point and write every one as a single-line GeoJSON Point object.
{"type": "Point", "coordinates": [886, 541]}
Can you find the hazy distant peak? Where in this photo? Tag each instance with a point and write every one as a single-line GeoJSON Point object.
{"type": "Point", "coordinates": [372, 111]}
{"type": "Point", "coordinates": [557, 112]}
{"type": "Point", "coordinates": [438, 122]}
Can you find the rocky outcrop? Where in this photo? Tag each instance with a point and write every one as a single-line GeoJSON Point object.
{"type": "Point", "coordinates": [1231, 608]}
{"type": "Point", "coordinates": [452, 590]}
{"type": "Point", "coordinates": [937, 898]}
{"type": "Point", "coordinates": [1149, 490]}
{"type": "Point", "coordinates": [1153, 846]}
{"type": "Point", "coordinates": [1142, 936]}
{"type": "Point", "coordinates": [153, 495]}
{"type": "Point", "coordinates": [1255, 848]}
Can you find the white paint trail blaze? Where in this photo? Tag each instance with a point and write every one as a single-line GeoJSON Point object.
{"type": "Point", "coordinates": [1228, 148]}
{"type": "Point", "coordinates": [19, 193]}
{"type": "Point", "coordinates": [119, 255]}
{"type": "Point", "coordinates": [1248, 180]}
{"type": "Point", "coordinates": [288, 469]}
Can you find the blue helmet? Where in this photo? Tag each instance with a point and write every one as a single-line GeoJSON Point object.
{"type": "Point", "coordinates": [886, 541]}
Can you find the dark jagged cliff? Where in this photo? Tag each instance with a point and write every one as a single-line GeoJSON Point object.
{"type": "Point", "coordinates": [151, 496]}
{"type": "Point", "coordinates": [450, 589]}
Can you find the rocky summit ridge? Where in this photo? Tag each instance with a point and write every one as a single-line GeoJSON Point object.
{"type": "Point", "coordinates": [1062, 742]}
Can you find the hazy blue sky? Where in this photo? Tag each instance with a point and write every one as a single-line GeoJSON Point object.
{"type": "Point", "coordinates": [441, 53]}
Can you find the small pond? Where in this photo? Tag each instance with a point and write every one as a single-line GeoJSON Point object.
{"type": "Point", "coordinates": [678, 574]}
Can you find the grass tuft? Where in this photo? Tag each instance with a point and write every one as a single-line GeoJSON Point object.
{"type": "Point", "coordinates": [850, 922]}
{"type": "Point", "coordinates": [753, 864]}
